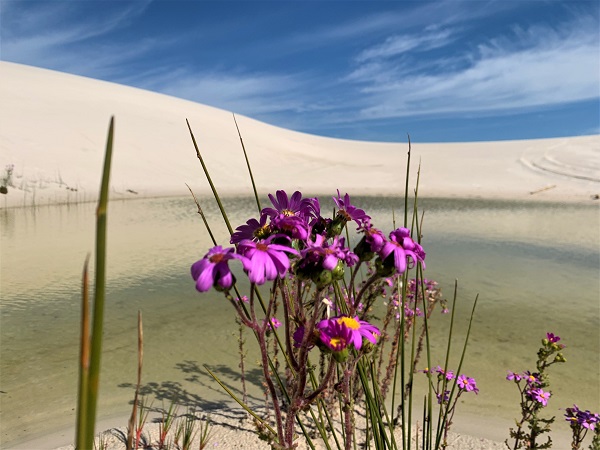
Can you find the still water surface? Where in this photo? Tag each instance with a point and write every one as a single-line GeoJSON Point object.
{"type": "Point", "coordinates": [535, 266]}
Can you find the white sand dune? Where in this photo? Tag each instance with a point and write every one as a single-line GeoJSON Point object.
{"type": "Point", "coordinates": [53, 129]}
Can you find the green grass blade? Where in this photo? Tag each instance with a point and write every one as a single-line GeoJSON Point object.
{"type": "Point", "coordinates": [248, 164]}
{"type": "Point", "coordinates": [239, 402]}
{"type": "Point", "coordinates": [212, 186]}
{"type": "Point", "coordinates": [84, 363]}
{"type": "Point", "coordinates": [99, 294]}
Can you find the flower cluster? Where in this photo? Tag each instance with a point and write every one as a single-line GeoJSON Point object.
{"type": "Point", "coordinates": [444, 377]}
{"type": "Point", "coordinates": [532, 389]}
{"type": "Point", "coordinates": [579, 418]}
{"type": "Point", "coordinates": [304, 255]}
{"type": "Point", "coordinates": [535, 395]}
{"type": "Point", "coordinates": [293, 236]}
{"type": "Point", "coordinates": [414, 297]}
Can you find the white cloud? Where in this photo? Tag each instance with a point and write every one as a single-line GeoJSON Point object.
{"type": "Point", "coordinates": [44, 35]}
{"type": "Point", "coordinates": [398, 44]}
{"type": "Point", "coordinates": [532, 68]}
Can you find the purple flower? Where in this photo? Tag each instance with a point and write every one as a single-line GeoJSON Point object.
{"type": "Point", "coordinates": [399, 248]}
{"type": "Point", "coordinates": [449, 375]}
{"type": "Point", "coordinates": [293, 206]}
{"type": "Point", "coordinates": [320, 252]}
{"type": "Point", "coordinates": [513, 376]}
{"type": "Point", "coordinates": [213, 269]}
{"type": "Point", "coordinates": [552, 338]}
{"type": "Point", "coordinates": [298, 337]}
{"type": "Point", "coordinates": [273, 324]}
{"type": "Point", "coordinates": [254, 230]}
{"type": "Point", "coordinates": [335, 335]}
{"type": "Point", "coordinates": [539, 396]}
{"type": "Point", "coordinates": [585, 419]}
{"type": "Point", "coordinates": [358, 329]}
{"type": "Point", "coordinates": [348, 211]}
{"type": "Point", "coordinates": [443, 399]}
{"type": "Point", "coordinates": [467, 383]}
{"type": "Point", "coordinates": [532, 379]}
{"type": "Point", "coordinates": [292, 226]}
{"type": "Point", "coordinates": [264, 260]}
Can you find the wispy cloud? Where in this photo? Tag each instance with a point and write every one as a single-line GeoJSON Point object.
{"type": "Point", "coordinates": [533, 67]}
{"type": "Point", "coordinates": [399, 44]}
{"type": "Point", "coordinates": [59, 35]}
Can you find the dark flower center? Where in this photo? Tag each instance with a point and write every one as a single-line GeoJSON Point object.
{"type": "Point", "coordinates": [262, 247]}
{"type": "Point", "coordinates": [217, 258]}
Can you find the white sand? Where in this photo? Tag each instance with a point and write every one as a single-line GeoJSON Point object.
{"type": "Point", "coordinates": [53, 130]}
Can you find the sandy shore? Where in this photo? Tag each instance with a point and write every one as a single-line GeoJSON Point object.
{"type": "Point", "coordinates": [229, 429]}
{"type": "Point", "coordinates": [53, 130]}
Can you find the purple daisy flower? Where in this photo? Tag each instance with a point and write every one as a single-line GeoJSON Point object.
{"type": "Point", "coordinates": [399, 248]}
{"type": "Point", "coordinates": [273, 324]}
{"type": "Point", "coordinates": [513, 376]}
{"type": "Point", "coordinates": [348, 211]}
{"type": "Point", "coordinates": [264, 260]}
{"type": "Point", "coordinates": [254, 230]}
{"type": "Point", "coordinates": [213, 269]}
{"type": "Point", "coordinates": [540, 396]}
{"type": "Point", "coordinates": [292, 226]}
{"type": "Point", "coordinates": [335, 335]}
{"type": "Point", "coordinates": [319, 252]}
{"type": "Point", "coordinates": [467, 383]}
{"type": "Point", "coordinates": [358, 328]}
{"type": "Point", "coordinates": [292, 206]}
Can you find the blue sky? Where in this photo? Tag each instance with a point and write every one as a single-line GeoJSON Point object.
{"type": "Point", "coordinates": [372, 70]}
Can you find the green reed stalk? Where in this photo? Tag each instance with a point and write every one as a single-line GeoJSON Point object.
{"type": "Point", "coordinates": [460, 363]}
{"type": "Point", "coordinates": [248, 164]}
{"type": "Point", "coordinates": [131, 426]}
{"type": "Point", "coordinates": [84, 361]}
{"type": "Point", "coordinates": [89, 379]}
{"type": "Point", "coordinates": [212, 186]}
{"type": "Point", "coordinates": [442, 420]}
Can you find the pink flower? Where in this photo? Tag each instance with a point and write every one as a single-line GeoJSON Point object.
{"type": "Point", "coordinates": [264, 260]}
{"type": "Point", "coordinates": [540, 396]}
{"type": "Point", "coordinates": [213, 269]}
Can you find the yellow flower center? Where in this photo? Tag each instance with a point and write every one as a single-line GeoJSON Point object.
{"type": "Point", "coordinates": [338, 342]}
{"type": "Point", "coordinates": [349, 322]}
{"type": "Point", "coordinates": [261, 232]}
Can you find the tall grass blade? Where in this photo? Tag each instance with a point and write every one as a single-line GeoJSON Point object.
{"type": "Point", "coordinates": [212, 186]}
{"type": "Point", "coordinates": [248, 164]}
{"type": "Point", "coordinates": [132, 418]}
{"type": "Point", "coordinates": [99, 294]}
{"type": "Point", "coordinates": [84, 360]}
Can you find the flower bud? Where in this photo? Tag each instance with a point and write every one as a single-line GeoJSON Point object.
{"type": "Point", "coordinates": [560, 358]}
{"type": "Point", "coordinates": [383, 268]}
{"type": "Point", "coordinates": [338, 271]}
{"type": "Point", "coordinates": [322, 278]}
{"type": "Point", "coordinates": [363, 250]}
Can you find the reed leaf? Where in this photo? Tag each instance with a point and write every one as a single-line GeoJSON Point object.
{"type": "Point", "coordinates": [89, 379]}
